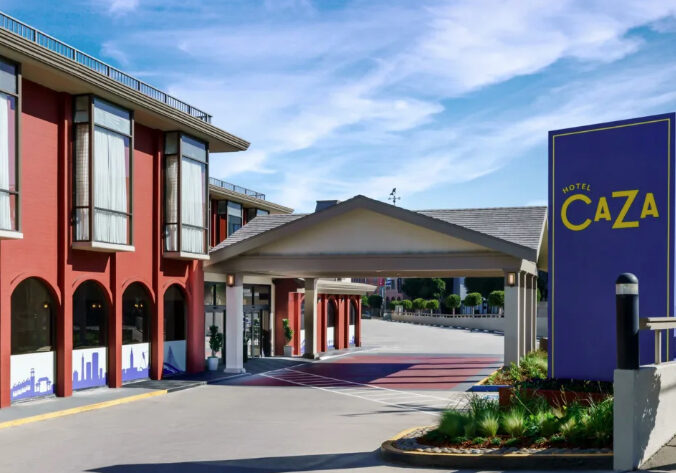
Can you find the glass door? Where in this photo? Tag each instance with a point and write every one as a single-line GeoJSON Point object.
{"type": "Point", "coordinates": [217, 318]}
{"type": "Point", "coordinates": [252, 334]}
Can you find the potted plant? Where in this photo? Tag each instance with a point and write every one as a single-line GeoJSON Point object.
{"type": "Point", "coordinates": [215, 343]}
{"type": "Point", "coordinates": [288, 336]}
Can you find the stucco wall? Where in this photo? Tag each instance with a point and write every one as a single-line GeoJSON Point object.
{"type": "Point", "coordinates": [480, 322]}
{"type": "Point", "coordinates": [644, 413]}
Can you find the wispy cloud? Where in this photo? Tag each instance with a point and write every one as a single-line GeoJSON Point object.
{"type": "Point", "coordinates": [371, 95]}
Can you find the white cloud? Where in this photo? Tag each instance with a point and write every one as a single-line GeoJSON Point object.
{"type": "Point", "coordinates": [122, 6]}
{"type": "Point", "coordinates": [359, 99]}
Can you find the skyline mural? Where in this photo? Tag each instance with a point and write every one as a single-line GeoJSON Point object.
{"type": "Point", "coordinates": [135, 361]}
{"type": "Point", "coordinates": [92, 368]}
{"type": "Point", "coordinates": [32, 375]}
{"type": "Point", "coordinates": [174, 357]}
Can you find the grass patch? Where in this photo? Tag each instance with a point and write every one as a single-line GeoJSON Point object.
{"type": "Point", "coordinates": [531, 366]}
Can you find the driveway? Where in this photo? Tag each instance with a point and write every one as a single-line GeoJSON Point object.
{"type": "Point", "coordinates": [324, 417]}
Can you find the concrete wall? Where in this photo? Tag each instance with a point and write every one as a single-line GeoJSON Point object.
{"type": "Point", "coordinates": [480, 322]}
{"type": "Point", "coordinates": [542, 320]}
{"type": "Point", "coordinates": [644, 413]}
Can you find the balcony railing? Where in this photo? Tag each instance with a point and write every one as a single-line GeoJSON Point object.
{"type": "Point", "coordinates": [31, 34]}
{"type": "Point", "coordinates": [232, 187]}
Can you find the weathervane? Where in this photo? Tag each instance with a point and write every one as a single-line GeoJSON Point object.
{"type": "Point", "coordinates": [393, 197]}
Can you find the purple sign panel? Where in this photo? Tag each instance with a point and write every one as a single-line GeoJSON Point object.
{"type": "Point", "coordinates": [611, 210]}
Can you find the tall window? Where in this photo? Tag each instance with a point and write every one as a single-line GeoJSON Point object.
{"type": "Point", "coordinates": [136, 308]}
{"type": "Point", "coordinates": [90, 316]}
{"type": "Point", "coordinates": [185, 194]}
{"type": "Point", "coordinates": [33, 311]}
{"type": "Point", "coordinates": [9, 168]}
{"type": "Point", "coordinates": [103, 184]}
{"type": "Point", "coordinates": [234, 217]}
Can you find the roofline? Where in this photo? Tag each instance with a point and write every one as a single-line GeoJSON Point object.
{"type": "Point", "coordinates": [51, 59]}
{"type": "Point", "coordinates": [364, 202]}
{"type": "Point", "coordinates": [239, 197]}
{"type": "Point", "coordinates": [484, 208]}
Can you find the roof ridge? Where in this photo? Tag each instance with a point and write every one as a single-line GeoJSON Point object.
{"type": "Point", "coordinates": [485, 208]}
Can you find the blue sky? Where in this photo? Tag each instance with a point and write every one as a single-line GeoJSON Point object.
{"type": "Point", "coordinates": [448, 101]}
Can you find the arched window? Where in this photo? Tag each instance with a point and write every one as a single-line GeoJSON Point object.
{"type": "Point", "coordinates": [90, 316]}
{"type": "Point", "coordinates": [174, 314]}
{"type": "Point", "coordinates": [136, 307]}
{"type": "Point", "coordinates": [33, 309]}
{"type": "Point", "coordinates": [353, 313]}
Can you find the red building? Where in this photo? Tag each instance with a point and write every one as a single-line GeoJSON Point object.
{"type": "Point", "coordinates": [103, 219]}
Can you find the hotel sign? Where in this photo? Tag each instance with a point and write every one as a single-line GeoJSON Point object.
{"type": "Point", "coordinates": [611, 204]}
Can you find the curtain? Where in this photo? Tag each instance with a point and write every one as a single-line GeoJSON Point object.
{"type": "Point", "coordinates": [110, 187]}
{"type": "Point", "coordinates": [82, 182]}
{"type": "Point", "coordinates": [192, 206]}
{"type": "Point", "coordinates": [171, 202]}
{"type": "Point", "coordinates": [5, 146]}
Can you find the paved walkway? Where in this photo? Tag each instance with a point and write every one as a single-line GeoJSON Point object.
{"type": "Point", "coordinates": [664, 459]}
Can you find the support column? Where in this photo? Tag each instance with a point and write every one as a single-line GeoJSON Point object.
{"type": "Point", "coordinates": [357, 324]}
{"type": "Point", "coordinates": [513, 311]}
{"type": "Point", "coordinates": [529, 340]}
{"type": "Point", "coordinates": [5, 335]}
{"type": "Point", "coordinates": [115, 341]}
{"type": "Point", "coordinates": [64, 346]}
{"type": "Point", "coordinates": [157, 338]}
{"type": "Point", "coordinates": [310, 317]}
{"type": "Point", "coordinates": [534, 313]}
{"type": "Point", "coordinates": [234, 326]}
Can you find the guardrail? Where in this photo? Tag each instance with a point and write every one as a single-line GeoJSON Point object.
{"type": "Point", "coordinates": [235, 188]}
{"type": "Point", "coordinates": [59, 47]}
{"type": "Point", "coordinates": [658, 325]}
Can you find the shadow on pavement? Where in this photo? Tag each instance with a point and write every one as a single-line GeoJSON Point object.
{"type": "Point", "coordinates": [329, 461]}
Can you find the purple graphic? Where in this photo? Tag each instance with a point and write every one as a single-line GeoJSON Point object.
{"type": "Point", "coordinates": [171, 366]}
{"type": "Point", "coordinates": [135, 372]}
{"type": "Point", "coordinates": [91, 374]}
{"type": "Point", "coordinates": [31, 387]}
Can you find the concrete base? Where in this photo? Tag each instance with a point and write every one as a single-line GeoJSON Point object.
{"type": "Point", "coordinates": [234, 370]}
{"type": "Point", "coordinates": [311, 356]}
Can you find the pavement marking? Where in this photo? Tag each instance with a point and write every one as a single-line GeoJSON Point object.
{"type": "Point", "coordinates": [77, 410]}
{"type": "Point", "coordinates": [424, 403]}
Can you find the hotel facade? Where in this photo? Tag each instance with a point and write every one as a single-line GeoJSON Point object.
{"type": "Point", "coordinates": [107, 217]}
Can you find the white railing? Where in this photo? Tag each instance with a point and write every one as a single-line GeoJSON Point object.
{"type": "Point", "coordinates": [658, 325]}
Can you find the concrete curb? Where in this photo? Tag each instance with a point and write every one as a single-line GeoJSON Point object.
{"type": "Point", "coordinates": [493, 461]}
{"type": "Point", "coordinates": [77, 410]}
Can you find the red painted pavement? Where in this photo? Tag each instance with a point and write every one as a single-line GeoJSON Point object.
{"type": "Point", "coordinates": [396, 371]}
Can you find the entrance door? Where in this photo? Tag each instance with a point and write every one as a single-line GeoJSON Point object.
{"type": "Point", "coordinates": [253, 334]}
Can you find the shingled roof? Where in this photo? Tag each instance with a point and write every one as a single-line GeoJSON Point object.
{"type": "Point", "coordinates": [522, 227]}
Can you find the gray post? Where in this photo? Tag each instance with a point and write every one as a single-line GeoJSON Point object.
{"type": "Point", "coordinates": [626, 304]}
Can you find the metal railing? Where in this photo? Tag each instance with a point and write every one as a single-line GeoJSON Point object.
{"type": "Point", "coordinates": [234, 188]}
{"type": "Point", "coordinates": [658, 325]}
{"type": "Point", "coordinates": [36, 36]}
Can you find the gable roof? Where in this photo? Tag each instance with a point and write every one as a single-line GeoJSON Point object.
{"type": "Point", "coordinates": [516, 231]}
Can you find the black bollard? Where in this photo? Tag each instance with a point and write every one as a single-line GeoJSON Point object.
{"type": "Point", "coordinates": [626, 303]}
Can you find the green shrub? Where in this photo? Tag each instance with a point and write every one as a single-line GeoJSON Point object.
{"type": "Point", "coordinates": [510, 442]}
{"type": "Point", "coordinates": [470, 427]}
{"type": "Point", "coordinates": [496, 298]}
{"type": "Point", "coordinates": [495, 441]}
{"type": "Point", "coordinates": [489, 424]}
{"type": "Point", "coordinates": [452, 302]}
{"type": "Point", "coordinates": [408, 305]}
{"type": "Point", "coordinates": [473, 299]}
{"type": "Point", "coordinates": [600, 424]}
{"type": "Point", "coordinates": [453, 423]}
{"type": "Point", "coordinates": [557, 438]}
{"type": "Point", "coordinates": [478, 440]}
{"type": "Point", "coordinates": [432, 304]}
{"type": "Point", "coordinates": [288, 331]}
{"type": "Point", "coordinates": [534, 365]}
{"type": "Point", "coordinates": [375, 301]}
{"type": "Point", "coordinates": [540, 441]}
{"type": "Point", "coordinates": [481, 406]}
{"type": "Point", "coordinates": [514, 423]}
{"type": "Point", "coordinates": [418, 303]}
{"type": "Point", "coordinates": [567, 428]}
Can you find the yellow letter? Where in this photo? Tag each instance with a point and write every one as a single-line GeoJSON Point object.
{"type": "Point", "coordinates": [630, 195]}
{"type": "Point", "coordinates": [649, 206]}
{"type": "Point", "coordinates": [564, 212]}
{"type": "Point", "coordinates": [602, 210]}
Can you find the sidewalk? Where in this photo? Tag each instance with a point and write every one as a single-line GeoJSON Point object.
{"type": "Point", "coordinates": [664, 459]}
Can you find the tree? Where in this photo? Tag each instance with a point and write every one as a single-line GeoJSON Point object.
{"type": "Point", "coordinates": [452, 302]}
{"type": "Point", "coordinates": [418, 303]}
{"type": "Point", "coordinates": [497, 299]}
{"type": "Point", "coordinates": [473, 299]}
{"type": "Point", "coordinates": [375, 301]}
{"type": "Point", "coordinates": [424, 288]}
{"type": "Point", "coordinates": [408, 305]}
{"type": "Point", "coordinates": [432, 304]}
{"type": "Point", "coordinates": [364, 301]}
{"type": "Point", "coordinates": [484, 286]}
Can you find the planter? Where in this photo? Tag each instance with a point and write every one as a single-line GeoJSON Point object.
{"type": "Point", "coordinates": [554, 398]}
{"type": "Point", "coordinates": [288, 350]}
{"type": "Point", "coordinates": [212, 363]}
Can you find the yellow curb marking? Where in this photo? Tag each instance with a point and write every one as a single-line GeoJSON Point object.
{"type": "Point", "coordinates": [77, 410]}
{"type": "Point", "coordinates": [483, 381]}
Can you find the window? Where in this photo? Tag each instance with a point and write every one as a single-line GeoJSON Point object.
{"type": "Point", "coordinates": [234, 217]}
{"type": "Point", "coordinates": [185, 195]}
{"type": "Point", "coordinates": [33, 311]}
{"type": "Point", "coordinates": [135, 315]}
{"type": "Point", "coordinates": [214, 293]}
{"type": "Point", "coordinates": [252, 213]}
{"type": "Point", "coordinates": [103, 211]}
{"type": "Point", "coordinates": [174, 314]}
{"type": "Point", "coordinates": [10, 80]}
{"type": "Point", "coordinates": [90, 316]}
